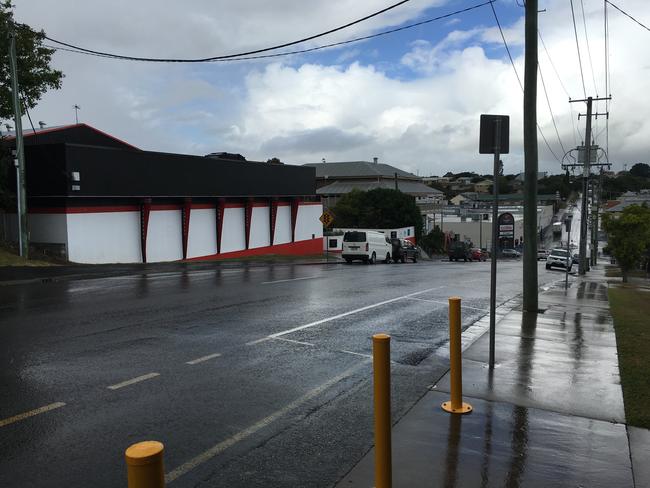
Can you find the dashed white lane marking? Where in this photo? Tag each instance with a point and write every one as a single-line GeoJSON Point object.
{"type": "Point", "coordinates": [339, 316]}
{"type": "Point", "coordinates": [31, 413]}
{"type": "Point", "coordinates": [291, 279]}
{"type": "Point", "coordinates": [292, 341]}
{"type": "Point", "coordinates": [265, 422]}
{"type": "Point", "coordinates": [204, 358]}
{"type": "Point", "coordinates": [445, 303]}
{"type": "Point", "coordinates": [138, 379]}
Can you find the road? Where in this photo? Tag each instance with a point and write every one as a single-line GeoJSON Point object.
{"type": "Point", "coordinates": [251, 376]}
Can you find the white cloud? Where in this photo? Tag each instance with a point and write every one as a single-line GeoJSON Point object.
{"type": "Point", "coordinates": [421, 113]}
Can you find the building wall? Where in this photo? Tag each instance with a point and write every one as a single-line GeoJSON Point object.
{"type": "Point", "coordinates": [164, 237]}
{"type": "Point", "coordinates": [103, 237]}
{"type": "Point", "coordinates": [260, 234]}
{"type": "Point", "coordinates": [283, 225]}
{"type": "Point", "coordinates": [202, 237]}
{"type": "Point", "coordinates": [234, 233]}
{"type": "Point", "coordinates": [307, 224]}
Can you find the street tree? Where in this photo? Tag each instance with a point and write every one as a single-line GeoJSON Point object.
{"type": "Point", "coordinates": [628, 236]}
{"type": "Point", "coordinates": [381, 208]}
{"type": "Point", "coordinates": [35, 73]}
{"type": "Point", "coordinates": [640, 169]}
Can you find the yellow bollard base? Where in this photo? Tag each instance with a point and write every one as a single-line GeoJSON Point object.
{"type": "Point", "coordinates": [465, 408]}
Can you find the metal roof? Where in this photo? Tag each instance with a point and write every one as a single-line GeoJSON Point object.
{"type": "Point", "coordinates": [359, 169]}
{"type": "Point", "coordinates": [346, 186]}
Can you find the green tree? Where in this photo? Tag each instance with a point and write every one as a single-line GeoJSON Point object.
{"type": "Point", "coordinates": [640, 169]}
{"type": "Point", "coordinates": [628, 236]}
{"type": "Point", "coordinates": [433, 242]}
{"type": "Point", "coordinates": [380, 208]}
{"type": "Point", "coordinates": [35, 75]}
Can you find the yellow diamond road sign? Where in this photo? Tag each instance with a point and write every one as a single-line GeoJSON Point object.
{"type": "Point", "coordinates": [327, 218]}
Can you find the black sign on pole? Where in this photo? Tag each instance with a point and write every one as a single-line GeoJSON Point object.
{"type": "Point", "coordinates": [487, 134]}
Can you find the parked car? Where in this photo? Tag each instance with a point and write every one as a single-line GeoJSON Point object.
{"type": "Point", "coordinates": [366, 246]}
{"type": "Point", "coordinates": [576, 258]}
{"type": "Point", "coordinates": [478, 255]}
{"type": "Point", "coordinates": [459, 250]}
{"type": "Point", "coordinates": [510, 253]}
{"type": "Point", "coordinates": [404, 250]}
{"type": "Point", "coordinates": [542, 254]}
{"type": "Point", "coordinates": [559, 258]}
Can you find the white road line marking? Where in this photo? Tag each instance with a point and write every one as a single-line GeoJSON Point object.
{"type": "Point", "coordinates": [351, 312]}
{"type": "Point", "coordinates": [133, 380]}
{"type": "Point", "coordinates": [291, 340]}
{"type": "Point", "coordinates": [257, 341]}
{"type": "Point", "coordinates": [292, 279]}
{"type": "Point", "coordinates": [356, 353]}
{"type": "Point", "coordinates": [445, 303]}
{"type": "Point", "coordinates": [31, 413]}
{"type": "Point", "coordinates": [204, 358]}
{"type": "Point", "coordinates": [265, 422]}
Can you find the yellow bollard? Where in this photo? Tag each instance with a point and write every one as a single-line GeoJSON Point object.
{"type": "Point", "coordinates": [455, 405]}
{"type": "Point", "coordinates": [381, 387]}
{"type": "Point", "coordinates": [144, 465]}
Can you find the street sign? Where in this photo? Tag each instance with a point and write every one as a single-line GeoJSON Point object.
{"type": "Point", "coordinates": [487, 134]}
{"type": "Point", "coordinates": [506, 225]}
{"type": "Point", "coordinates": [327, 218]}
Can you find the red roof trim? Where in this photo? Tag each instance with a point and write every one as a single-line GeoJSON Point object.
{"type": "Point", "coordinates": [64, 127]}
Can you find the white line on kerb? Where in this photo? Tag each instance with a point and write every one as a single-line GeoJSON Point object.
{"type": "Point", "coordinates": [265, 422]}
{"type": "Point", "coordinates": [204, 358]}
{"type": "Point", "coordinates": [292, 279]}
{"type": "Point", "coordinates": [133, 380]}
{"type": "Point", "coordinates": [31, 413]}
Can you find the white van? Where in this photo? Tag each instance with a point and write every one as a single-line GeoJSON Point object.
{"type": "Point", "coordinates": [366, 245]}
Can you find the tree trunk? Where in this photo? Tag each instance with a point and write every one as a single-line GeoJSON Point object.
{"type": "Point", "coordinates": [624, 273]}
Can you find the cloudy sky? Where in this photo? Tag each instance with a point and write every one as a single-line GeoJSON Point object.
{"type": "Point", "coordinates": [412, 99]}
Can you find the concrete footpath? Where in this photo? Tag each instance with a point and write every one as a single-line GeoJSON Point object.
{"type": "Point", "coordinates": [549, 415]}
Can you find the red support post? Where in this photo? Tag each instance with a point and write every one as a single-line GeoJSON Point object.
{"type": "Point", "coordinates": [185, 222]}
{"type": "Point", "coordinates": [220, 209]}
{"type": "Point", "coordinates": [273, 214]}
{"type": "Point", "coordinates": [145, 210]}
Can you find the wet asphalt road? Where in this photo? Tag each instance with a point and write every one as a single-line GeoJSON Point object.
{"type": "Point", "coordinates": [251, 376]}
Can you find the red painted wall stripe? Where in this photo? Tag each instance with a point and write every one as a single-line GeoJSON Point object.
{"type": "Point", "coordinates": [300, 248]}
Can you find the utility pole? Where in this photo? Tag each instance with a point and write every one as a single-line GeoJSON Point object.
{"type": "Point", "coordinates": [20, 149]}
{"type": "Point", "coordinates": [586, 171]}
{"type": "Point", "coordinates": [76, 114]}
{"type": "Point", "coordinates": [530, 160]}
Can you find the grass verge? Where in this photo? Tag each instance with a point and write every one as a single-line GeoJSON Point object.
{"type": "Point", "coordinates": [9, 258]}
{"type": "Point", "coordinates": [630, 307]}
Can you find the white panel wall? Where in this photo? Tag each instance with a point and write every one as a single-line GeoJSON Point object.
{"type": "Point", "coordinates": [308, 223]}
{"type": "Point", "coordinates": [164, 238]}
{"type": "Point", "coordinates": [282, 226]}
{"type": "Point", "coordinates": [202, 239]}
{"type": "Point", "coordinates": [104, 237]}
{"type": "Point", "coordinates": [234, 234]}
{"type": "Point", "coordinates": [260, 227]}
{"type": "Point", "coordinates": [48, 228]}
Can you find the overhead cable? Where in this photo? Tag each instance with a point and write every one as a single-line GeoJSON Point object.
{"type": "Point", "coordinates": [575, 31]}
{"type": "Point", "coordinates": [301, 51]}
{"type": "Point", "coordinates": [591, 63]}
{"type": "Point", "coordinates": [227, 56]}
{"type": "Point", "coordinates": [539, 129]}
{"type": "Point", "coordinates": [548, 102]}
{"type": "Point", "coordinates": [628, 15]}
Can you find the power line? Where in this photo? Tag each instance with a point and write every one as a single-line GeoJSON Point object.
{"type": "Point", "coordinates": [550, 109]}
{"type": "Point", "coordinates": [227, 56]}
{"type": "Point", "coordinates": [591, 64]}
{"type": "Point", "coordinates": [628, 15]}
{"type": "Point", "coordinates": [518, 79]}
{"type": "Point", "coordinates": [575, 30]}
{"type": "Point", "coordinates": [301, 51]}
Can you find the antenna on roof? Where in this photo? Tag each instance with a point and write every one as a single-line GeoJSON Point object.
{"type": "Point", "coordinates": [41, 124]}
{"type": "Point", "coordinates": [76, 113]}
{"type": "Point", "coordinates": [9, 127]}
{"type": "Point", "coordinates": [324, 160]}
